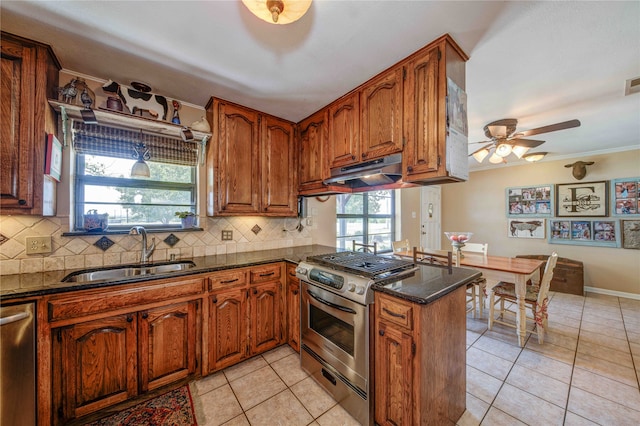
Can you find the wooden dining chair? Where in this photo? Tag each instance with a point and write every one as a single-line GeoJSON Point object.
{"type": "Point", "coordinates": [402, 245]}
{"type": "Point", "coordinates": [476, 289]}
{"type": "Point", "coordinates": [537, 298]}
{"type": "Point", "coordinates": [433, 259]}
{"type": "Point", "coordinates": [365, 248]}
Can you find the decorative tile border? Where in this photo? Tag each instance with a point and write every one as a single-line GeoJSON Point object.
{"type": "Point", "coordinates": [171, 240]}
{"type": "Point", "coordinates": [104, 243]}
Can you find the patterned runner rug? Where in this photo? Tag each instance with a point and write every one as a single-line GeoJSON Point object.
{"type": "Point", "coordinates": [173, 408]}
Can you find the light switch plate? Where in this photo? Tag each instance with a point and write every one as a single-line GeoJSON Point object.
{"type": "Point", "coordinates": [37, 245]}
{"type": "Point", "coordinates": [227, 235]}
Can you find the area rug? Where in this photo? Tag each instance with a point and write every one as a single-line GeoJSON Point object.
{"type": "Point", "coordinates": [173, 408]}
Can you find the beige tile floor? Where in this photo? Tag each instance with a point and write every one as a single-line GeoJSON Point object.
{"type": "Point", "coordinates": [586, 373]}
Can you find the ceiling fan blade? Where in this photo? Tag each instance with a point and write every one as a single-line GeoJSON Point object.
{"type": "Point", "coordinates": [503, 128]}
{"type": "Point", "coordinates": [528, 143]}
{"type": "Point", "coordinates": [489, 142]}
{"type": "Point", "coordinates": [550, 128]}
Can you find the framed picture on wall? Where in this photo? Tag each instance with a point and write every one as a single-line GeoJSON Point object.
{"type": "Point", "coordinates": [53, 157]}
{"type": "Point", "coordinates": [631, 234]}
{"type": "Point", "coordinates": [582, 199]}
{"type": "Point", "coordinates": [526, 228]}
{"type": "Point", "coordinates": [530, 201]}
{"type": "Point", "coordinates": [625, 197]}
{"type": "Point", "coordinates": [605, 232]}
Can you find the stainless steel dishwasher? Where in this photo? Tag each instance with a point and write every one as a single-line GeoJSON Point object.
{"type": "Point", "coordinates": [17, 365]}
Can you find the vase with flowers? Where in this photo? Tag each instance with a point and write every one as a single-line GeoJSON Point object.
{"type": "Point", "coordinates": [188, 219]}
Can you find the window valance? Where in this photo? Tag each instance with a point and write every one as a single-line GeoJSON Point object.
{"type": "Point", "coordinates": [96, 139]}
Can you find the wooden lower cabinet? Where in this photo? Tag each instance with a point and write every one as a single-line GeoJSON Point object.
{"type": "Point", "coordinates": [293, 308]}
{"type": "Point", "coordinates": [420, 360]}
{"type": "Point", "coordinates": [227, 328]}
{"type": "Point", "coordinates": [166, 344]}
{"type": "Point", "coordinates": [94, 366]}
{"type": "Point", "coordinates": [265, 305]}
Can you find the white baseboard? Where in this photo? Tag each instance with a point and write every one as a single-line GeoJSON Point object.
{"type": "Point", "coordinates": [635, 296]}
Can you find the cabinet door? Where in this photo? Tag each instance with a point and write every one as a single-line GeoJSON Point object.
{"type": "Point", "coordinates": [313, 151]}
{"type": "Point", "coordinates": [265, 329]}
{"type": "Point", "coordinates": [94, 366]}
{"type": "Point", "coordinates": [166, 344]}
{"type": "Point", "coordinates": [279, 167]}
{"type": "Point", "coordinates": [344, 131]}
{"type": "Point", "coordinates": [425, 117]}
{"type": "Point", "coordinates": [381, 118]}
{"type": "Point", "coordinates": [237, 170]}
{"type": "Point", "coordinates": [394, 376]}
{"type": "Point", "coordinates": [17, 96]}
{"type": "Point", "coordinates": [293, 308]}
{"type": "Point", "coordinates": [227, 328]}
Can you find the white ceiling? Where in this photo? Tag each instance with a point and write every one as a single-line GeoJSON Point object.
{"type": "Point", "coordinates": [539, 62]}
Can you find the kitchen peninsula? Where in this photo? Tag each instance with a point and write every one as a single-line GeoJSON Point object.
{"type": "Point", "coordinates": [195, 306]}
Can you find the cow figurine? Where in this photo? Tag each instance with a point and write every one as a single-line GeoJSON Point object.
{"type": "Point", "coordinates": [579, 168]}
{"type": "Point", "coordinates": [134, 100]}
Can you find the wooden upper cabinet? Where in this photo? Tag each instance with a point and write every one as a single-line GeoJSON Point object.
{"type": "Point", "coordinates": [381, 115]}
{"type": "Point", "coordinates": [235, 162]}
{"type": "Point", "coordinates": [313, 136]}
{"type": "Point", "coordinates": [278, 165]}
{"type": "Point", "coordinates": [28, 76]}
{"type": "Point", "coordinates": [344, 131]}
{"type": "Point", "coordinates": [425, 95]}
{"type": "Point", "coordinates": [251, 163]}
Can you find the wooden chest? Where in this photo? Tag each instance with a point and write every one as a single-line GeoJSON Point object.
{"type": "Point", "coordinates": [568, 275]}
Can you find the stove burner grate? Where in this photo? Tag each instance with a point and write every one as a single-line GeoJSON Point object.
{"type": "Point", "coordinates": [366, 264]}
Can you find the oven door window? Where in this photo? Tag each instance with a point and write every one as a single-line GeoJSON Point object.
{"type": "Point", "coordinates": [331, 328]}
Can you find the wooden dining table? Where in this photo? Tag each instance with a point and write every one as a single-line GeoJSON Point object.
{"type": "Point", "coordinates": [498, 268]}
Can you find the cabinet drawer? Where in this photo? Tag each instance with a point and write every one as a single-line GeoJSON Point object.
{"type": "Point", "coordinates": [228, 279]}
{"type": "Point", "coordinates": [110, 300]}
{"type": "Point", "coordinates": [396, 311]}
{"type": "Point", "coordinates": [265, 273]}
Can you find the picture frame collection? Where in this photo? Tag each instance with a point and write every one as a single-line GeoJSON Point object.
{"type": "Point", "coordinates": [599, 213]}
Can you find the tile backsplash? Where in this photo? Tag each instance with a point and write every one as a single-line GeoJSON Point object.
{"type": "Point", "coordinates": [83, 252]}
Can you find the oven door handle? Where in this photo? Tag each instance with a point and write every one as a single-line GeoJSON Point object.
{"type": "Point", "coordinates": [331, 305]}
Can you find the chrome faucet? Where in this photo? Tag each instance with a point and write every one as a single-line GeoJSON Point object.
{"type": "Point", "coordinates": [146, 251]}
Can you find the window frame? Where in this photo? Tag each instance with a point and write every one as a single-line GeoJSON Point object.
{"type": "Point", "coordinates": [81, 180]}
{"type": "Point", "coordinates": [365, 216]}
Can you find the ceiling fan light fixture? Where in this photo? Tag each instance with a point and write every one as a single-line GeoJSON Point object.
{"type": "Point", "coordinates": [480, 154]}
{"type": "Point", "coordinates": [278, 11]}
{"type": "Point", "coordinates": [519, 151]}
{"type": "Point", "coordinates": [534, 156]}
{"type": "Point", "coordinates": [496, 159]}
{"type": "Point", "coordinates": [503, 149]}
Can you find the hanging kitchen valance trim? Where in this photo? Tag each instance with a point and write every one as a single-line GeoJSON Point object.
{"type": "Point", "coordinates": [110, 141]}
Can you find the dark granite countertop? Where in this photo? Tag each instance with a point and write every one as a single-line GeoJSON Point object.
{"type": "Point", "coordinates": [50, 282]}
{"type": "Point", "coordinates": [429, 283]}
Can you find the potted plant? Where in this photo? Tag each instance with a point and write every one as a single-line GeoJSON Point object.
{"type": "Point", "coordinates": [188, 219]}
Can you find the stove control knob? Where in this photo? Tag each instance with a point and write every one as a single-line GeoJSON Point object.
{"type": "Point", "coordinates": [351, 287]}
{"type": "Point", "coordinates": [359, 289]}
{"type": "Point", "coordinates": [301, 270]}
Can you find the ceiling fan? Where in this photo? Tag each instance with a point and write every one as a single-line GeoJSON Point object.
{"type": "Point", "coordinates": [504, 140]}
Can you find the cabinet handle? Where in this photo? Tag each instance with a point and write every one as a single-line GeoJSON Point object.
{"type": "Point", "coordinates": [129, 318]}
{"type": "Point", "coordinates": [214, 300]}
{"type": "Point", "coordinates": [22, 202]}
{"type": "Point", "coordinates": [229, 281]}
{"type": "Point", "coordinates": [381, 332]}
{"type": "Point", "coordinates": [393, 314]}
{"type": "Point", "coordinates": [255, 291]}
{"type": "Point", "coordinates": [145, 315]}
{"type": "Point", "coordinates": [268, 274]}
{"type": "Point", "coordinates": [410, 169]}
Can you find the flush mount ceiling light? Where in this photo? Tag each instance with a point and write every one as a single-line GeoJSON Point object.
{"type": "Point", "coordinates": [534, 156]}
{"type": "Point", "coordinates": [278, 11]}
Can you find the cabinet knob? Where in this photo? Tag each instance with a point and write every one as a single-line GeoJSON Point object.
{"type": "Point", "coordinates": [22, 202]}
{"type": "Point", "coordinates": [145, 315]}
{"type": "Point", "coordinates": [129, 318]}
{"type": "Point", "coordinates": [410, 169]}
{"type": "Point", "coordinates": [353, 157]}
{"type": "Point", "coordinates": [214, 300]}
{"type": "Point", "coordinates": [381, 332]}
{"type": "Point", "coordinates": [255, 291]}
{"type": "Point", "coordinates": [295, 292]}
{"type": "Point", "coordinates": [364, 155]}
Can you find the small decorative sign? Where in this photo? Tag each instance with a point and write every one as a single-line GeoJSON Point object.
{"type": "Point", "coordinates": [582, 199]}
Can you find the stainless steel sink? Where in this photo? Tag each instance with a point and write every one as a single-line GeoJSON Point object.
{"type": "Point", "coordinates": [122, 272]}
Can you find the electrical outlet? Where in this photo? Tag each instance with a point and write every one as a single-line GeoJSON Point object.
{"type": "Point", "coordinates": [309, 221]}
{"type": "Point", "coordinates": [36, 245]}
{"type": "Point", "coordinates": [227, 235]}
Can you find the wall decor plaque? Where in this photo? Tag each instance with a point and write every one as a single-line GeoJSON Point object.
{"type": "Point", "coordinates": [585, 199]}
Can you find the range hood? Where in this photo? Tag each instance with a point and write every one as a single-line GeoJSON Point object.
{"type": "Point", "coordinates": [381, 171]}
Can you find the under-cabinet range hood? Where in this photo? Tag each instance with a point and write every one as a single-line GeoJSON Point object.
{"type": "Point", "coordinates": [381, 171]}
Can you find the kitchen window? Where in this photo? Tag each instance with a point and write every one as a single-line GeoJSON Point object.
{"type": "Point", "coordinates": [366, 217]}
{"type": "Point", "coordinates": [104, 157]}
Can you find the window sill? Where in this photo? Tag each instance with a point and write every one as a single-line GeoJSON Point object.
{"type": "Point", "coordinates": [126, 231]}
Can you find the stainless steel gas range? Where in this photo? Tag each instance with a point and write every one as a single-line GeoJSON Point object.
{"type": "Point", "coordinates": [335, 297]}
